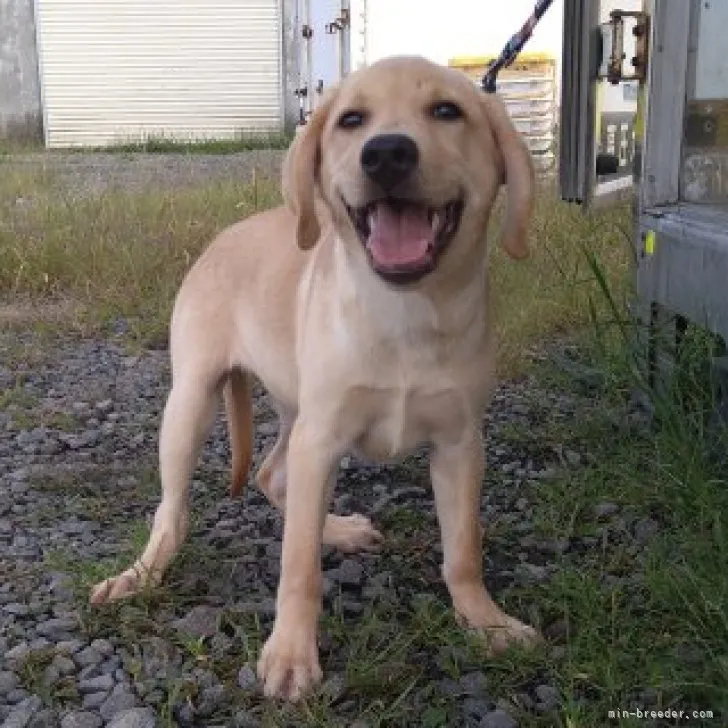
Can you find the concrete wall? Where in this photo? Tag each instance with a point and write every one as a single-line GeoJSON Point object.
{"type": "Point", "coordinates": [20, 106]}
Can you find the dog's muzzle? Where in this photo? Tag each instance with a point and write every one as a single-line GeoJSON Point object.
{"type": "Point", "coordinates": [404, 238]}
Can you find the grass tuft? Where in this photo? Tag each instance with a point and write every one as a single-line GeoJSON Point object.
{"type": "Point", "coordinates": [118, 256]}
{"type": "Point", "coordinates": [122, 255]}
{"type": "Point", "coordinates": [242, 142]}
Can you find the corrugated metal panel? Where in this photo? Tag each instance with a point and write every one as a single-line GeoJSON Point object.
{"type": "Point", "coordinates": [122, 70]}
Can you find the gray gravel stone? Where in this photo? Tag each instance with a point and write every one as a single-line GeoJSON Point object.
{"type": "Point", "coordinates": [64, 665]}
{"type": "Point", "coordinates": [22, 713]}
{"type": "Point", "coordinates": [39, 644]}
{"type": "Point", "coordinates": [121, 698]}
{"type": "Point", "coordinates": [8, 681]}
{"type": "Point", "coordinates": [200, 621]}
{"type": "Point", "coordinates": [473, 683]}
{"type": "Point", "coordinates": [93, 701]}
{"type": "Point", "coordinates": [548, 696]}
{"type": "Point", "coordinates": [16, 609]}
{"type": "Point", "coordinates": [604, 510]}
{"type": "Point", "coordinates": [69, 647]}
{"type": "Point", "coordinates": [81, 719]}
{"type": "Point", "coordinates": [477, 708]}
{"type": "Point", "coordinates": [17, 695]}
{"type": "Point", "coordinates": [645, 529]}
{"type": "Point", "coordinates": [334, 686]}
{"type": "Point", "coordinates": [96, 684]}
{"type": "Point", "coordinates": [18, 654]}
{"type": "Point", "coordinates": [89, 672]}
{"type": "Point", "coordinates": [262, 607]}
{"type": "Point", "coordinates": [134, 718]}
{"type": "Point", "coordinates": [243, 719]}
{"type": "Point", "coordinates": [88, 656]}
{"type": "Point", "coordinates": [45, 718]}
{"type": "Point", "coordinates": [184, 714]}
{"type": "Point", "coordinates": [498, 719]}
{"type": "Point", "coordinates": [103, 647]}
{"type": "Point", "coordinates": [57, 628]}
{"type": "Point", "coordinates": [51, 675]}
{"type": "Point", "coordinates": [350, 572]}
{"type": "Point", "coordinates": [210, 700]}
{"type": "Point", "coordinates": [247, 679]}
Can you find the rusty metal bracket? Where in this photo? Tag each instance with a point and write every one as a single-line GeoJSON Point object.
{"type": "Point", "coordinates": [343, 21]}
{"type": "Point", "coordinates": [612, 33]}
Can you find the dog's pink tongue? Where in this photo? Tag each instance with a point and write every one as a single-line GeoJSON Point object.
{"type": "Point", "coordinates": [399, 237]}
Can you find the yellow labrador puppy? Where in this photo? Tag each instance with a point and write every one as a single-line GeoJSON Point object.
{"type": "Point", "coordinates": [362, 306]}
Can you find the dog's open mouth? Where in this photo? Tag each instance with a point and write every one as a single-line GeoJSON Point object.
{"type": "Point", "coordinates": [404, 238]}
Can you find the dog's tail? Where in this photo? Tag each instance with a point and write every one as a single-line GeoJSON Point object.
{"type": "Point", "coordinates": [239, 410]}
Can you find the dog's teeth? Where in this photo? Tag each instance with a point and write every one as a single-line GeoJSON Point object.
{"type": "Point", "coordinates": [435, 220]}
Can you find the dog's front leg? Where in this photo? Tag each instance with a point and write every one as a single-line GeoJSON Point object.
{"type": "Point", "coordinates": [289, 665]}
{"type": "Point", "coordinates": [456, 469]}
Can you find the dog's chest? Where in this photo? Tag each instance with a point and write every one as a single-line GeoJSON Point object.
{"type": "Point", "coordinates": [396, 420]}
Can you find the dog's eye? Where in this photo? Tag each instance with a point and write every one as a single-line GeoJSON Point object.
{"type": "Point", "coordinates": [351, 119]}
{"type": "Point", "coordinates": [447, 111]}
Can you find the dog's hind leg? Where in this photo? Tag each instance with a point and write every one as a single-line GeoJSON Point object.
{"type": "Point", "coordinates": [186, 423]}
{"type": "Point", "coordinates": [346, 533]}
{"type": "Point", "coordinates": [238, 408]}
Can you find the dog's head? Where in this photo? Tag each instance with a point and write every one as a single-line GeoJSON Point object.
{"type": "Point", "coordinates": [408, 157]}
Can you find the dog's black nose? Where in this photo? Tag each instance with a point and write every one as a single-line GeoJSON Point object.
{"type": "Point", "coordinates": [389, 159]}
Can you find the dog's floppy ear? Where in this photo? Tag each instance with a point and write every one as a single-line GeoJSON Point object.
{"type": "Point", "coordinates": [301, 175]}
{"type": "Point", "coordinates": [519, 178]}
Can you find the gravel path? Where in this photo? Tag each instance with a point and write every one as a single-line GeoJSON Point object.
{"type": "Point", "coordinates": [94, 173]}
{"type": "Point", "coordinates": [78, 434]}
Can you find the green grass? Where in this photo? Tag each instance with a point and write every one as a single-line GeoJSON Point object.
{"type": "Point", "coordinates": [638, 616]}
{"type": "Point", "coordinates": [243, 142]}
{"type": "Point", "coordinates": [122, 254]}
{"type": "Point", "coordinates": [550, 292]}
{"type": "Point", "coordinates": [119, 255]}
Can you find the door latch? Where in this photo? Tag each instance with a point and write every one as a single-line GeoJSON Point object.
{"type": "Point", "coordinates": [340, 23]}
{"type": "Point", "coordinates": [613, 56]}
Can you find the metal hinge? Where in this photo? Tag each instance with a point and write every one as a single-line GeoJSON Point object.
{"type": "Point", "coordinates": [307, 31]}
{"type": "Point", "coordinates": [340, 23]}
{"type": "Point", "coordinates": [613, 56]}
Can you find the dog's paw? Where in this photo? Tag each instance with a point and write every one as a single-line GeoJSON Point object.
{"type": "Point", "coordinates": [351, 533]}
{"type": "Point", "coordinates": [126, 584]}
{"type": "Point", "coordinates": [289, 666]}
{"type": "Point", "coordinates": [498, 638]}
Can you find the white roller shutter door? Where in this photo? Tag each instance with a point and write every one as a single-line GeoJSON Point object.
{"type": "Point", "coordinates": [123, 70]}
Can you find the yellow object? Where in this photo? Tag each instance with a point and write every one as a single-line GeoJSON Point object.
{"type": "Point", "coordinates": [639, 119]}
{"type": "Point", "coordinates": [650, 240]}
{"type": "Point", "coordinates": [538, 63]}
{"type": "Point", "coordinates": [463, 61]}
